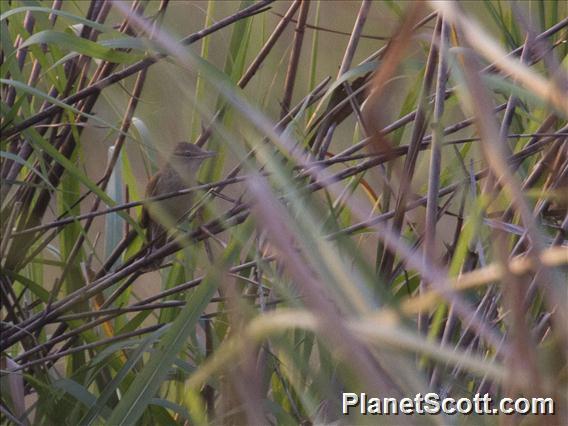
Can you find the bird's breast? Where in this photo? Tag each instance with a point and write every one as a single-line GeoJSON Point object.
{"type": "Point", "coordinates": [169, 211]}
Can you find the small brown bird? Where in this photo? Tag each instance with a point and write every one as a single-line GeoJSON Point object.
{"type": "Point", "coordinates": [178, 173]}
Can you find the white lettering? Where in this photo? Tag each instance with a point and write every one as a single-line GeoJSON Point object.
{"type": "Point", "coordinates": [432, 401]}
{"type": "Point", "coordinates": [349, 400]}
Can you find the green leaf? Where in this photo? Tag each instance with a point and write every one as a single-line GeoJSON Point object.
{"type": "Point", "coordinates": [98, 408]}
{"type": "Point", "coordinates": [88, 22]}
{"type": "Point", "coordinates": [76, 390]}
{"type": "Point", "coordinates": [114, 224]}
{"type": "Point", "coordinates": [38, 291]}
{"type": "Point", "coordinates": [146, 384]}
{"type": "Point", "coordinates": [171, 406]}
{"type": "Point", "coordinates": [87, 47]}
{"type": "Point", "coordinates": [23, 162]}
{"type": "Point", "coordinates": [76, 173]}
{"type": "Point", "coordinates": [36, 92]}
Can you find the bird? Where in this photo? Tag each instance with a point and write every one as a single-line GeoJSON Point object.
{"type": "Point", "coordinates": [178, 173]}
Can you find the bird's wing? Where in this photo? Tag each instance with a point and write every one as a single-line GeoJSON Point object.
{"type": "Point", "coordinates": [150, 192]}
{"type": "Point", "coordinates": [144, 218]}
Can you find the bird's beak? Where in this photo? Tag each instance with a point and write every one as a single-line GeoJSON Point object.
{"type": "Point", "coordinates": [208, 154]}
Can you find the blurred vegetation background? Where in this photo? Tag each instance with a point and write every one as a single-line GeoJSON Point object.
{"type": "Point", "coordinates": [387, 212]}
